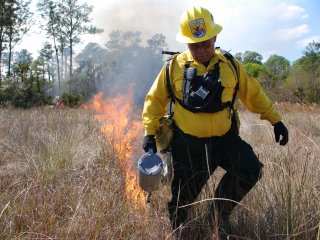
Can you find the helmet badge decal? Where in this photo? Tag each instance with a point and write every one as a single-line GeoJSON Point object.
{"type": "Point", "coordinates": [198, 28]}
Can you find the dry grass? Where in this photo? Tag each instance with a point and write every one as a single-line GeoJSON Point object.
{"type": "Point", "coordinates": [286, 202]}
{"type": "Point", "coordinates": [60, 179]}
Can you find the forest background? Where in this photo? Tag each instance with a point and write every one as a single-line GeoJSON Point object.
{"type": "Point", "coordinates": [124, 60]}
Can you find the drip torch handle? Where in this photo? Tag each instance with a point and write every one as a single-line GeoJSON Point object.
{"type": "Point", "coordinates": [148, 199]}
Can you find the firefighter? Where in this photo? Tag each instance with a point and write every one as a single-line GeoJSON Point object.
{"type": "Point", "coordinates": [204, 84]}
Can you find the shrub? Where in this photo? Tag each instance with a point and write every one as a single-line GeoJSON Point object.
{"type": "Point", "coordinates": [72, 99]}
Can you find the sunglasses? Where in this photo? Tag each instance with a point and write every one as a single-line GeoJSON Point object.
{"type": "Point", "coordinates": [204, 45]}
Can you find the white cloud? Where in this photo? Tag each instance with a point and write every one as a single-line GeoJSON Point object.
{"type": "Point", "coordinates": [287, 34]}
{"type": "Point", "coordinates": [291, 12]}
{"type": "Point", "coordinates": [308, 40]}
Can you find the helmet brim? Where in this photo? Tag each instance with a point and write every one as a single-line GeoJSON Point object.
{"type": "Point", "coordinates": [209, 34]}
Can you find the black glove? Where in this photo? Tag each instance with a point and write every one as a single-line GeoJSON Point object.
{"type": "Point", "coordinates": [149, 142]}
{"type": "Point", "coordinates": [281, 130]}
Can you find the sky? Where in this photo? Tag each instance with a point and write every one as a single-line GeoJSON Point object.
{"type": "Point", "coordinates": [265, 26]}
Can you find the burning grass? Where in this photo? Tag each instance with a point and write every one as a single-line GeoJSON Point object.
{"type": "Point", "coordinates": [64, 175]}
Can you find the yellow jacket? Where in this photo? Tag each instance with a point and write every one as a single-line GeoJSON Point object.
{"type": "Point", "coordinates": [204, 124]}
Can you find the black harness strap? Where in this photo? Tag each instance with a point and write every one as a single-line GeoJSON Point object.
{"type": "Point", "coordinates": [234, 117]}
{"type": "Point", "coordinates": [169, 88]}
{"type": "Point", "coordinates": [230, 59]}
{"type": "Point", "coordinates": [168, 81]}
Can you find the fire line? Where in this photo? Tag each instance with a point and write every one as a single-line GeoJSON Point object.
{"type": "Point", "coordinates": [122, 130]}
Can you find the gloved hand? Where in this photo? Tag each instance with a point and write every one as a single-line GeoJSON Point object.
{"type": "Point", "coordinates": [280, 130]}
{"type": "Point", "coordinates": [149, 142]}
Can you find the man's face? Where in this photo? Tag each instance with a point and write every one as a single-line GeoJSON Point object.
{"type": "Point", "coordinates": [202, 51]}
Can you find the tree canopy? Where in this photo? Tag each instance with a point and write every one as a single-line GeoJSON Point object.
{"type": "Point", "coordinates": [124, 61]}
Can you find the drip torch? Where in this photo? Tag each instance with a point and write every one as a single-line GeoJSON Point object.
{"type": "Point", "coordinates": [150, 168]}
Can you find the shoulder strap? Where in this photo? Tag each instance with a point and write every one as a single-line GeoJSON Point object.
{"type": "Point", "coordinates": [168, 80]}
{"type": "Point", "coordinates": [235, 69]}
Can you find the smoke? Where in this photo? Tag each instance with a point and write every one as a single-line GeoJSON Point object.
{"type": "Point", "coordinates": [146, 16]}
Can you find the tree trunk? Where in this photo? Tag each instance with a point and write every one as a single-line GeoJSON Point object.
{"type": "Point", "coordinates": [0, 63]}
{"type": "Point", "coordinates": [1, 45]}
{"type": "Point", "coordinates": [70, 67]}
{"type": "Point", "coordinates": [70, 49]}
{"type": "Point", "coordinates": [2, 31]}
{"type": "Point", "coordinates": [10, 53]}
{"type": "Point", "coordinates": [57, 58]}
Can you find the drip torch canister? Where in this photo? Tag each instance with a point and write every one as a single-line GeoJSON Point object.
{"type": "Point", "coordinates": [150, 168]}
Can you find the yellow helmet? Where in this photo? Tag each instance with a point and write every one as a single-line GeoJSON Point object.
{"type": "Point", "coordinates": [197, 25]}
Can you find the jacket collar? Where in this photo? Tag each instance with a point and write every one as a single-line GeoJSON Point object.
{"type": "Point", "coordinates": [216, 56]}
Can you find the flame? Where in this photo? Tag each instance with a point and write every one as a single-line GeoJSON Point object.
{"type": "Point", "coordinates": [120, 127]}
